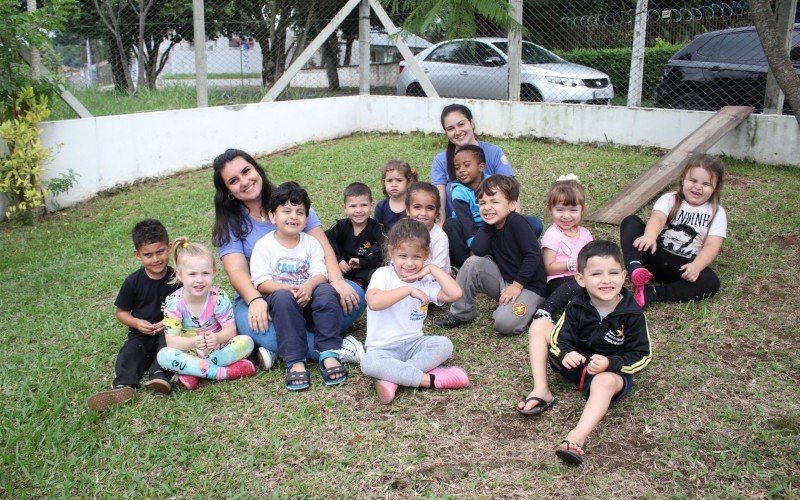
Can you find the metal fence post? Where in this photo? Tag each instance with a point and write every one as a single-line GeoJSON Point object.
{"type": "Point", "coordinates": [200, 62]}
{"type": "Point", "coordinates": [363, 48]}
{"type": "Point", "coordinates": [785, 12]}
{"type": "Point", "coordinates": [637, 55]}
{"type": "Point", "coordinates": [515, 53]}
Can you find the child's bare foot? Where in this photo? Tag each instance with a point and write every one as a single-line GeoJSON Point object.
{"type": "Point", "coordinates": [570, 451]}
{"type": "Point", "coordinates": [536, 402]}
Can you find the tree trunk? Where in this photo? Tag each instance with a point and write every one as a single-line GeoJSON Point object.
{"type": "Point", "coordinates": [348, 50]}
{"type": "Point", "coordinates": [777, 57]}
{"type": "Point", "coordinates": [330, 60]}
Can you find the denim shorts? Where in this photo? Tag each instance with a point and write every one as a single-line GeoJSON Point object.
{"type": "Point", "coordinates": [579, 375]}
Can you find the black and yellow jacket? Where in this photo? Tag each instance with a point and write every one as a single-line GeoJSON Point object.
{"type": "Point", "coordinates": [622, 336]}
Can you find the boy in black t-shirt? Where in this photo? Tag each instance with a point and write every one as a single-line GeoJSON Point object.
{"type": "Point", "coordinates": [358, 239]}
{"type": "Point", "coordinates": [506, 265]}
{"type": "Point", "coordinates": [139, 304]}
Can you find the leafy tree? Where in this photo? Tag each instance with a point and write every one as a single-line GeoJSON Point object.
{"type": "Point", "coordinates": [20, 30]}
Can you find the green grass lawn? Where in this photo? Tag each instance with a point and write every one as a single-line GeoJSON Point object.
{"type": "Point", "coordinates": [717, 412]}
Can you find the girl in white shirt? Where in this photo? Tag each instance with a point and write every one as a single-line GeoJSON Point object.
{"type": "Point", "coordinates": [682, 238]}
{"type": "Point", "coordinates": [398, 353]}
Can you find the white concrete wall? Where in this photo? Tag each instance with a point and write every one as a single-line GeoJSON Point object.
{"type": "Point", "coordinates": [108, 151]}
{"type": "Point", "coordinates": [112, 150]}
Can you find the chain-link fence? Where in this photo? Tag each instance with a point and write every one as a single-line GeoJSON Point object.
{"type": "Point", "coordinates": [569, 54]}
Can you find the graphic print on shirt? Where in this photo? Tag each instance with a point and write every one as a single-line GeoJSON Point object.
{"type": "Point", "coordinates": [615, 338]}
{"type": "Point", "coordinates": [677, 238]}
{"type": "Point", "coordinates": [363, 249]}
{"type": "Point", "coordinates": [292, 271]}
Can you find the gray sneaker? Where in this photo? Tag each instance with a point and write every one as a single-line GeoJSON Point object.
{"type": "Point", "coordinates": [352, 350]}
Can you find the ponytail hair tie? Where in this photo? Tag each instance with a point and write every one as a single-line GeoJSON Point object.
{"type": "Point", "coordinates": [412, 171]}
{"type": "Point", "coordinates": [569, 177]}
{"type": "Point", "coordinates": [185, 244]}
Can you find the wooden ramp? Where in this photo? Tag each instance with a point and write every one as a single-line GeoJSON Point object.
{"type": "Point", "coordinates": [666, 170]}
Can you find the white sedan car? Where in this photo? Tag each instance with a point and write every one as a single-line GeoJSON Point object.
{"type": "Point", "coordinates": [477, 68]}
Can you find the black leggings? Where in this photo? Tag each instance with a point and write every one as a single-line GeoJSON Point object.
{"type": "Point", "coordinates": [666, 268]}
{"type": "Point", "coordinates": [559, 292]}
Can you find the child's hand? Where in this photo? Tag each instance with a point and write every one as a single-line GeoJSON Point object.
{"type": "Point", "coordinates": [510, 293]}
{"type": "Point", "coordinates": [426, 270]}
{"type": "Point", "coordinates": [573, 359]}
{"type": "Point", "coordinates": [145, 327]}
{"type": "Point", "coordinates": [419, 295]}
{"type": "Point", "coordinates": [211, 341]}
{"type": "Point", "coordinates": [645, 243]}
{"type": "Point", "coordinates": [354, 263]}
{"type": "Point", "coordinates": [200, 341]}
{"type": "Point", "coordinates": [597, 364]}
{"type": "Point", "coordinates": [690, 272]}
{"type": "Point", "coordinates": [158, 327]}
{"type": "Point", "coordinates": [302, 294]}
{"type": "Point", "coordinates": [344, 267]}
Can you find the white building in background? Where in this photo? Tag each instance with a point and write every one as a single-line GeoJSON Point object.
{"type": "Point", "coordinates": [243, 57]}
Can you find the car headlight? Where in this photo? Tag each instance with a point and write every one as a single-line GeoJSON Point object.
{"type": "Point", "coordinates": [562, 80]}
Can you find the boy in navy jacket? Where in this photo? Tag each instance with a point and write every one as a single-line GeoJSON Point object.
{"type": "Point", "coordinates": [600, 341]}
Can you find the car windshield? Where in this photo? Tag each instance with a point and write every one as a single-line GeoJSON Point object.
{"type": "Point", "coordinates": [531, 53]}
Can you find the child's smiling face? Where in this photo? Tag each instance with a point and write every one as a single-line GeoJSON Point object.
{"type": "Point", "coordinates": [603, 277]}
{"type": "Point", "coordinates": [698, 185]}
{"type": "Point", "coordinates": [289, 219]}
{"type": "Point", "coordinates": [422, 207]}
{"type": "Point", "coordinates": [196, 272]}
{"type": "Point", "coordinates": [566, 217]}
{"type": "Point", "coordinates": [408, 258]}
{"type": "Point", "coordinates": [469, 171]}
{"type": "Point", "coordinates": [154, 258]}
{"type": "Point", "coordinates": [358, 208]}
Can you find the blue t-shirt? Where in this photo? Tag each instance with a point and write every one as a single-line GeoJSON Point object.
{"type": "Point", "coordinates": [259, 230]}
{"type": "Point", "coordinates": [386, 216]}
{"type": "Point", "coordinates": [496, 163]}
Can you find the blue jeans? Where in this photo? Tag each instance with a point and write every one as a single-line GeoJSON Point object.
{"type": "Point", "coordinates": [269, 338]}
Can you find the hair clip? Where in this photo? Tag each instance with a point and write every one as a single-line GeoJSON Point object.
{"type": "Point", "coordinates": [185, 244]}
{"type": "Point", "coordinates": [412, 171]}
{"type": "Point", "coordinates": [569, 177]}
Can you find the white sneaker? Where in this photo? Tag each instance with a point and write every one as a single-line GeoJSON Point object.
{"type": "Point", "coordinates": [266, 358]}
{"type": "Point", "coordinates": [352, 350]}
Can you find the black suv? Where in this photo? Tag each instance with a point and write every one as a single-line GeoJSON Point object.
{"type": "Point", "coordinates": [720, 68]}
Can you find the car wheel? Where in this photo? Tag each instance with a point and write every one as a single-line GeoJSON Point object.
{"type": "Point", "coordinates": [528, 93]}
{"type": "Point", "coordinates": [690, 100]}
{"type": "Point", "coordinates": [415, 90]}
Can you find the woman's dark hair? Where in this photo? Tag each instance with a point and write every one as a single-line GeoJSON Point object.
{"type": "Point", "coordinates": [230, 218]}
{"type": "Point", "coordinates": [451, 148]}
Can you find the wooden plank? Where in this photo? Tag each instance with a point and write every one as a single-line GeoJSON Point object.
{"type": "Point", "coordinates": [665, 170]}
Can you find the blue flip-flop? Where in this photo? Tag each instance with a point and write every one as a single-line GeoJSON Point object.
{"type": "Point", "coordinates": [328, 372]}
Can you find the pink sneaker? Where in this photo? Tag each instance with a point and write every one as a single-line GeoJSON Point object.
{"type": "Point", "coordinates": [386, 391]}
{"type": "Point", "coordinates": [189, 381]}
{"type": "Point", "coordinates": [640, 277]}
{"type": "Point", "coordinates": [242, 368]}
{"type": "Point", "coordinates": [449, 377]}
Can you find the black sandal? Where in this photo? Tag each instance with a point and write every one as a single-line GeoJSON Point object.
{"type": "Point", "coordinates": [297, 381]}
{"type": "Point", "coordinates": [569, 455]}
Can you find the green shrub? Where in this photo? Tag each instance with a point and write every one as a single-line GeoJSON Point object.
{"type": "Point", "coordinates": [21, 168]}
{"type": "Point", "coordinates": [617, 64]}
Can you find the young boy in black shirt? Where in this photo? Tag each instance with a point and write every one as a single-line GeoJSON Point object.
{"type": "Point", "coordinates": [600, 341]}
{"type": "Point", "coordinates": [506, 265]}
{"type": "Point", "coordinates": [358, 239]}
{"type": "Point", "coordinates": [139, 304]}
